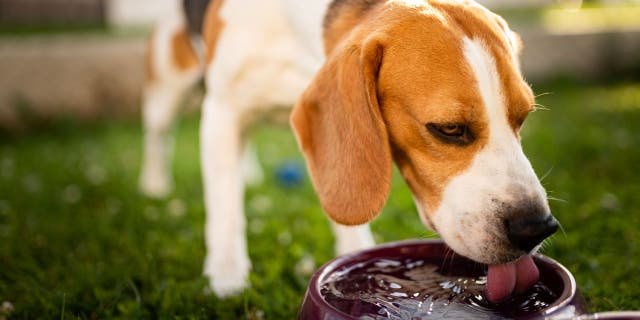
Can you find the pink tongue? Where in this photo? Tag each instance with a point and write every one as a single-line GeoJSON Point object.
{"type": "Point", "coordinates": [504, 279]}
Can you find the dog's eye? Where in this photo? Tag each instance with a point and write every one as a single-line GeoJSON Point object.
{"type": "Point", "coordinates": [453, 133]}
{"type": "Point", "coordinates": [452, 130]}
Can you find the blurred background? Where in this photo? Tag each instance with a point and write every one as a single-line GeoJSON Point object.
{"type": "Point", "coordinates": [82, 58]}
{"type": "Point", "coordinates": [77, 239]}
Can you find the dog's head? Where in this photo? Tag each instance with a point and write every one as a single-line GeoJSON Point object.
{"type": "Point", "coordinates": [437, 88]}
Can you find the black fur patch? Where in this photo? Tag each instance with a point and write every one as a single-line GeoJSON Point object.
{"type": "Point", "coordinates": [194, 11]}
{"type": "Point", "coordinates": [336, 7]}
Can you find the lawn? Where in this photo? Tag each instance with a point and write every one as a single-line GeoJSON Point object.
{"type": "Point", "coordinates": [78, 241]}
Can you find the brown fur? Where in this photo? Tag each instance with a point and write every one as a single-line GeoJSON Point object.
{"type": "Point", "coordinates": [212, 28]}
{"type": "Point", "coordinates": [184, 57]}
{"type": "Point", "coordinates": [343, 136]}
{"type": "Point", "coordinates": [389, 72]}
{"type": "Point", "coordinates": [341, 17]}
{"type": "Point", "coordinates": [477, 22]}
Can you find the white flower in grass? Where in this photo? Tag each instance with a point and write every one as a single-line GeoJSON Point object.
{"type": "Point", "coordinates": [609, 201]}
{"type": "Point", "coordinates": [256, 226]}
{"type": "Point", "coordinates": [71, 194]}
{"type": "Point", "coordinates": [177, 208]}
{"type": "Point", "coordinates": [32, 184]}
{"type": "Point", "coordinates": [284, 238]}
{"type": "Point", "coordinates": [96, 174]}
{"type": "Point", "coordinates": [5, 310]}
{"type": "Point", "coordinates": [305, 266]}
{"type": "Point", "coordinates": [260, 203]}
{"type": "Point", "coordinates": [257, 315]}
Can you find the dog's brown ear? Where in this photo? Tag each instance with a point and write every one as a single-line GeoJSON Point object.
{"type": "Point", "coordinates": [515, 42]}
{"type": "Point", "coordinates": [340, 129]}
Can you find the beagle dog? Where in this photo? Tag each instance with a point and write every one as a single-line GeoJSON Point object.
{"type": "Point", "coordinates": [432, 85]}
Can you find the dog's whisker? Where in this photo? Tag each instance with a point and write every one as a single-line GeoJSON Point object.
{"type": "Point", "coordinates": [546, 244]}
{"type": "Point", "coordinates": [541, 247]}
{"type": "Point", "coordinates": [562, 229]}
{"type": "Point", "coordinates": [452, 258]}
{"type": "Point", "coordinates": [557, 199]}
{"type": "Point", "coordinates": [428, 235]}
{"type": "Point", "coordinates": [537, 106]}
{"type": "Point", "coordinates": [449, 254]}
{"type": "Point", "coordinates": [446, 253]}
{"type": "Point", "coordinates": [432, 234]}
{"type": "Point", "coordinates": [479, 266]}
{"type": "Point", "coordinates": [546, 174]}
{"type": "Point", "coordinates": [543, 94]}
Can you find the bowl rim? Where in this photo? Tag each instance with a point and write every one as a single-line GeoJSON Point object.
{"type": "Point", "coordinates": [313, 290]}
{"type": "Point", "coordinates": [615, 314]}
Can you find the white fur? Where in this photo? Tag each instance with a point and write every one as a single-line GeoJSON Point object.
{"type": "Point", "coordinates": [162, 98]}
{"type": "Point", "coordinates": [241, 82]}
{"type": "Point", "coordinates": [273, 75]}
{"type": "Point", "coordinates": [306, 17]}
{"type": "Point", "coordinates": [227, 261]}
{"type": "Point", "coordinates": [499, 172]}
{"type": "Point", "coordinates": [352, 238]}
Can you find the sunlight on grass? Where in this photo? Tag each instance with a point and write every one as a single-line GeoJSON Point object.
{"type": "Point", "coordinates": [620, 98]}
{"type": "Point", "coordinates": [563, 20]}
{"type": "Point", "coordinates": [574, 17]}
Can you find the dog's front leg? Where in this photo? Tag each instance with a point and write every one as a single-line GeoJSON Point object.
{"type": "Point", "coordinates": [164, 89]}
{"type": "Point", "coordinates": [352, 238]}
{"type": "Point", "coordinates": [227, 263]}
{"type": "Point", "coordinates": [159, 111]}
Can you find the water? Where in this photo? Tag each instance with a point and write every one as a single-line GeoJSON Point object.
{"type": "Point", "coordinates": [417, 289]}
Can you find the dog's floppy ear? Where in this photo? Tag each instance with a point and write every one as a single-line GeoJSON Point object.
{"type": "Point", "coordinates": [515, 42]}
{"type": "Point", "coordinates": [340, 129]}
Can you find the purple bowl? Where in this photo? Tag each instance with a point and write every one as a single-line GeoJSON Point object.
{"type": "Point", "coordinates": [569, 303]}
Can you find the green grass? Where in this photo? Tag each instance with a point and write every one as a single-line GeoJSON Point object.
{"type": "Point", "coordinates": [51, 29]}
{"type": "Point", "coordinates": [78, 241]}
{"type": "Point", "coordinates": [567, 17]}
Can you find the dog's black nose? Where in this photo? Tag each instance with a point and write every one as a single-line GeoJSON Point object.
{"type": "Point", "coordinates": [527, 233]}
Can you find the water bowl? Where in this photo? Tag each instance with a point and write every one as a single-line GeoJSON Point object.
{"type": "Point", "coordinates": [424, 279]}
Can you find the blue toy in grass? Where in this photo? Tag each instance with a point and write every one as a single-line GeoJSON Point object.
{"type": "Point", "coordinates": [290, 174]}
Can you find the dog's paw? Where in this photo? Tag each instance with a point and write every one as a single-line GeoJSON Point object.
{"type": "Point", "coordinates": [228, 278]}
{"type": "Point", "coordinates": [154, 186]}
{"type": "Point", "coordinates": [228, 286]}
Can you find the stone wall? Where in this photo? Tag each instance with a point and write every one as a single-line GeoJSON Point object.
{"type": "Point", "coordinates": [16, 13]}
{"type": "Point", "coordinates": [126, 13]}
{"type": "Point", "coordinates": [85, 77]}
{"type": "Point", "coordinates": [96, 76]}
